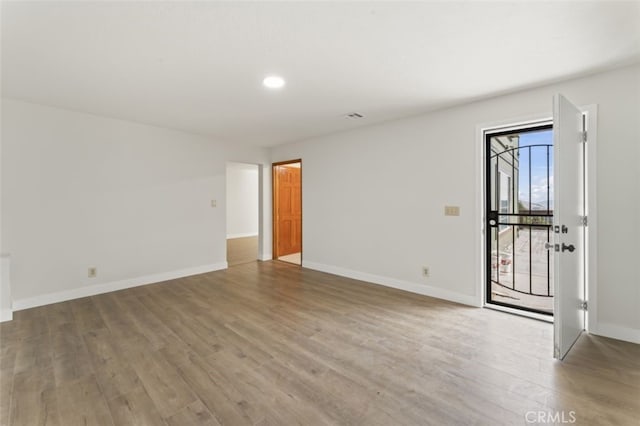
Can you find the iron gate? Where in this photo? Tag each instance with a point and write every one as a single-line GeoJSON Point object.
{"type": "Point", "coordinates": [519, 218]}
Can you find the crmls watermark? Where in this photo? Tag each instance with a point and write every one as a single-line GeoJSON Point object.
{"type": "Point", "coordinates": [551, 417]}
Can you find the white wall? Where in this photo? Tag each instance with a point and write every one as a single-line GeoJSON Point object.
{"type": "Point", "coordinates": [6, 313]}
{"type": "Point", "coordinates": [6, 308]}
{"type": "Point", "coordinates": [132, 200]}
{"type": "Point", "coordinates": [373, 197]}
{"type": "Point", "coordinates": [242, 200]}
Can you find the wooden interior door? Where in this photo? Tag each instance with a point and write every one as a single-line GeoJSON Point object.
{"type": "Point", "coordinates": [288, 206]}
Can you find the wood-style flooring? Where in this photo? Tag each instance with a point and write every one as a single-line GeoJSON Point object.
{"type": "Point", "coordinates": [267, 343]}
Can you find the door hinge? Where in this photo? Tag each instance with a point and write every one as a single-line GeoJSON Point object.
{"type": "Point", "coordinates": [584, 136]}
{"type": "Point", "coordinates": [584, 305]}
{"type": "Point", "coordinates": [584, 221]}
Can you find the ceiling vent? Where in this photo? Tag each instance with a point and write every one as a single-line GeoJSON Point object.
{"type": "Point", "coordinates": [354, 116]}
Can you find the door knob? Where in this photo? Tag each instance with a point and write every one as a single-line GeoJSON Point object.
{"type": "Point", "coordinates": [569, 247]}
{"type": "Point", "coordinates": [548, 245]}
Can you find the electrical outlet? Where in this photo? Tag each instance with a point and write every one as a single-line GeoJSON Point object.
{"type": "Point", "coordinates": [92, 272]}
{"type": "Point", "coordinates": [214, 203]}
{"type": "Point", "coordinates": [425, 271]}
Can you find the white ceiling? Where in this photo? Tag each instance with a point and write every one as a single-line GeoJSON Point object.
{"type": "Point", "coordinates": [198, 66]}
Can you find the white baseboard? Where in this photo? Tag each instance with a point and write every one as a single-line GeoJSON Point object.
{"type": "Point", "coordinates": [425, 290]}
{"type": "Point", "coordinates": [6, 315]}
{"type": "Point", "coordinates": [232, 236]}
{"type": "Point", "coordinates": [76, 293]}
{"type": "Point", "coordinates": [617, 332]}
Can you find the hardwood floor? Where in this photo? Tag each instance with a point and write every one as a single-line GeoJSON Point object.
{"type": "Point", "coordinates": [269, 343]}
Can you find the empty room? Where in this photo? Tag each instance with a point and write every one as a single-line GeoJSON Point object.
{"type": "Point", "coordinates": [320, 213]}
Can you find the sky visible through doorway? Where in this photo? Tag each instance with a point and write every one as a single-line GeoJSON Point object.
{"type": "Point", "coordinates": [538, 154]}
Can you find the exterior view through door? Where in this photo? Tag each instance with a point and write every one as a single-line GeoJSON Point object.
{"type": "Point", "coordinates": [519, 203]}
{"type": "Point", "coordinates": [287, 211]}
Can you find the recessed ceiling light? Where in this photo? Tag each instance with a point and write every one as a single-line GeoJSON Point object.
{"type": "Point", "coordinates": [273, 82]}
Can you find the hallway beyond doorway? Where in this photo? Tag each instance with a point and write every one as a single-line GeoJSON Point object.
{"type": "Point", "coordinates": [242, 250]}
{"type": "Point", "coordinates": [295, 258]}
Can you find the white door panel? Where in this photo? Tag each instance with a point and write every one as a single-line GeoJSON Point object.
{"type": "Point", "coordinates": [567, 219]}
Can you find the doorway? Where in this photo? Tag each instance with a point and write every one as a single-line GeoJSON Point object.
{"type": "Point", "coordinates": [287, 211]}
{"type": "Point", "coordinates": [568, 217]}
{"type": "Point", "coordinates": [519, 206]}
{"type": "Point", "coordinates": [242, 208]}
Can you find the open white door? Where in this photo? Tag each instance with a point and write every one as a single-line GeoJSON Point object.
{"type": "Point", "coordinates": [568, 224]}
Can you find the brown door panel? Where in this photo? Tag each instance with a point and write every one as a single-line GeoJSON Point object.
{"type": "Point", "coordinates": [288, 202]}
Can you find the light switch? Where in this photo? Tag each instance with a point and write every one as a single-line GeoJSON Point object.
{"type": "Point", "coordinates": [451, 211]}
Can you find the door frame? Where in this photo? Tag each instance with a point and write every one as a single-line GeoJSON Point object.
{"type": "Point", "coordinates": [274, 196]}
{"type": "Point", "coordinates": [591, 232]}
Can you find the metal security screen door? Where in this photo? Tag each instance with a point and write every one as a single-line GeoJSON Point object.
{"type": "Point", "coordinates": [519, 218]}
